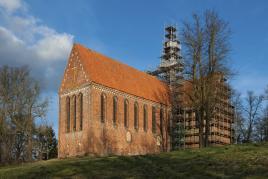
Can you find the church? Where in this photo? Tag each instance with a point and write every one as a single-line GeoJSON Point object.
{"type": "Point", "coordinates": [109, 108]}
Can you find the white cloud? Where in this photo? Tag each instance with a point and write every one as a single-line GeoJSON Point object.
{"type": "Point", "coordinates": [9, 37]}
{"type": "Point", "coordinates": [54, 47]}
{"type": "Point", "coordinates": [25, 40]}
{"type": "Point", "coordinates": [10, 5]}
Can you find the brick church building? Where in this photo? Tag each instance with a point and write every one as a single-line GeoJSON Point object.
{"type": "Point", "coordinates": [107, 107]}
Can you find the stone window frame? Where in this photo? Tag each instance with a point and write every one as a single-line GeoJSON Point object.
{"type": "Point", "coordinates": [136, 116]}
{"type": "Point", "coordinates": [126, 113]}
{"type": "Point", "coordinates": [103, 107]}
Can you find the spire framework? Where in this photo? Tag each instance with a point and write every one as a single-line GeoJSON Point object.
{"type": "Point", "coordinates": [171, 65]}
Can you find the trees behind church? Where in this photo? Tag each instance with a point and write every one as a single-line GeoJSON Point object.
{"type": "Point", "coordinates": [206, 40]}
{"type": "Point", "coordinates": [22, 110]}
{"type": "Point", "coordinates": [251, 117]}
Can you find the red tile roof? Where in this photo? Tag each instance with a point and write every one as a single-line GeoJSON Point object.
{"type": "Point", "coordinates": [114, 74]}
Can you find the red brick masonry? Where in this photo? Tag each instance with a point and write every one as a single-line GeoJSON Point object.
{"type": "Point", "coordinates": [91, 75]}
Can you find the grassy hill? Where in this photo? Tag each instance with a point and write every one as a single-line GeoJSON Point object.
{"type": "Point", "coordinates": [234, 161]}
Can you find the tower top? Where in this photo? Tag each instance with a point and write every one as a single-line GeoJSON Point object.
{"type": "Point", "coordinates": [171, 65]}
{"type": "Point", "coordinates": [171, 55]}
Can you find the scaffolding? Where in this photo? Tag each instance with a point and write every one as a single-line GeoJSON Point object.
{"type": "Point", "coordinates": [170, 71]}
{"type": "Point", "coordinates": [220, 129]}
{"type": "Point", "coordinates": [183, 120]}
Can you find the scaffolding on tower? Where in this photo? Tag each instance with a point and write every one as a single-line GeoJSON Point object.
{"type": "Point", "coordinates": [170, 71]}
{"type": "Point", "coordinates": [183, 116]}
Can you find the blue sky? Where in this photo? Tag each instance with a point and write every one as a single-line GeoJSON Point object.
{"type": "Point", "coordinates": [130, 31]}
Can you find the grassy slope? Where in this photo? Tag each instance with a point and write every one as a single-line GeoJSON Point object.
{"type": "Point", "coordinates": [235, 161]}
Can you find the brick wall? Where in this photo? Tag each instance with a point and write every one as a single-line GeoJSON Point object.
{"type": "Point", "coordinates": [105, 138]}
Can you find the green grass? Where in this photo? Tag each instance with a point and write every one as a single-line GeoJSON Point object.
{"type": "Point", "coordinates": [234, 161]}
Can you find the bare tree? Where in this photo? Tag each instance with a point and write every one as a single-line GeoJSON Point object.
{"type": "Point", "coordinates": [252, 111]}
{"type": "Point", "coordinates": [217, 35]}
{"type": "Point", "coordinates": [20, 107]}
{"type": "Point", "coordinates": [262, 123]}
{"type": "Point", "coordinates": [262, 127]}
{"type": "Point", "coordinates": [239, 132]}
{"type": "Point", "coordinates": [194, 41]}
{"type": "Point", "coordinates": [207, 44]}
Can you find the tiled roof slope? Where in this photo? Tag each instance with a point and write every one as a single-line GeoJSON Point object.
{"type": "Point", "coordinates": [114, 74]}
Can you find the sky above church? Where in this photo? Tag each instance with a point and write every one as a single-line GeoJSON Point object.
{"type": "Point", "coordinates": [40, 34]}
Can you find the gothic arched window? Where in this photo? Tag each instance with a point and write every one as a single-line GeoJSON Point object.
{"type": "Point", "coordinates": [161, 120]}
{"type": "Point", "coordinates": [115, 109]}
{"type": "Point", "coordinates": [126, 113]}
{"type": "Point", "coordinates": [80, 96]}
{"type": "Point", "coordinates": [153, 119]}
{"type": "Point", "coordinates": [136, 116]}
{"type": "Point", "coordinates": [103, 107]}
{"type": "Point", "coordinates": [68, 114]}
{"type": "Point", "coordinates": [145, 118]}
{"type": "Point", "coordinates": [74, 112]}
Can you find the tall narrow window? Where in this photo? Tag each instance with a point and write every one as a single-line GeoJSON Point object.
{"type": "Point", "coordinates": [103, 107]}
{"type": "Point", "coordinates": [74, 113]}
{"type": "Point", "coordinates": [153, 119]}
{"type": "Point", "coordinates": [81, 110]}
{"type": "Point", "coordinates": [68, 114]}
{"type": "Point", "coordinates": [161, 120]}
{"type": "Point", "coordinates": [145, 118]}
{"type": "Point", "coordinates": [126, 113]}
{"type": "Point", "coordinates": [114, 110]}
{"type": "Point", "coordinates": [136, 116]}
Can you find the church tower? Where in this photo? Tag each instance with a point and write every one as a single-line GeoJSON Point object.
{"type": "Point", "coordinates": [171, 65]}
{"type": "Point", "coordinates": [170, 70]}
